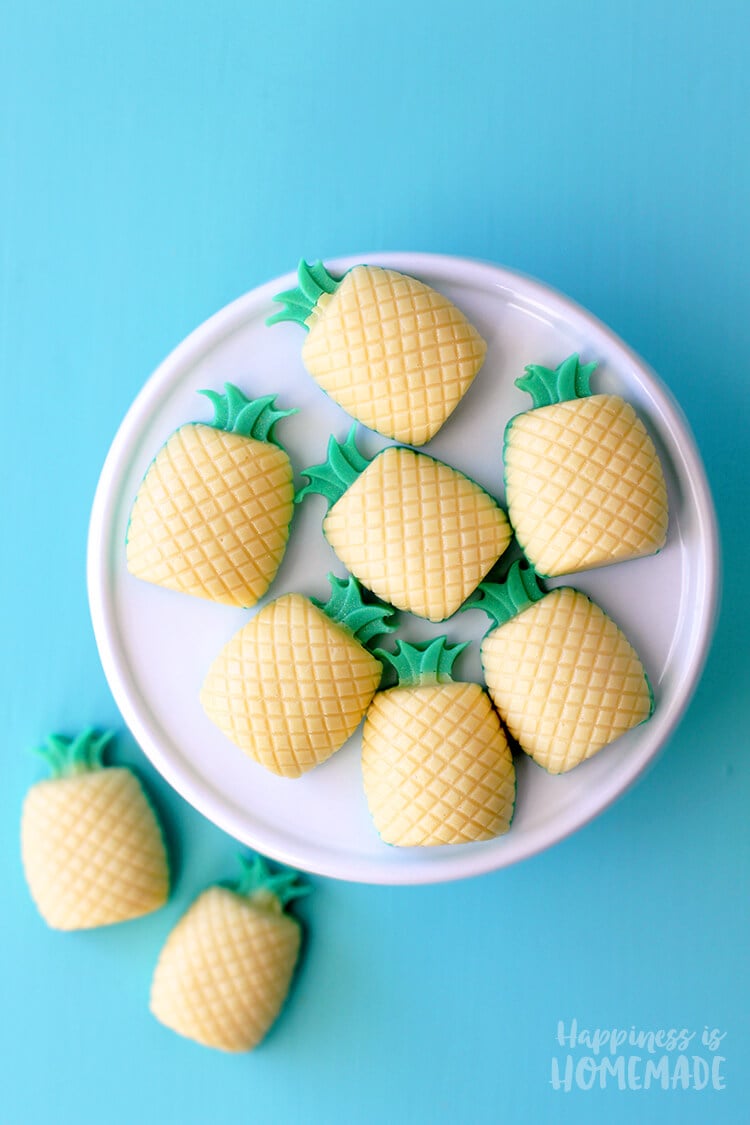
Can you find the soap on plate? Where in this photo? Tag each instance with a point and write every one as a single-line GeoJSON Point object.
{"type": "Point", "coordinates": [436, 764]}
{"type": "Point", "coordinates": [294, 683]}
{"type": "Point", "coordinates": [394, 353]}
{"type": "Point", "coordinates": [583, 481]}
{"type": "Point", "coordinates": [211, 517]}
{"type": "Point", "coordinates": [565, 679]}
{"type": "Point", "coordinates": [415, 531]}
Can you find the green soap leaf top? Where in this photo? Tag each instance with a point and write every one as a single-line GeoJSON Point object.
{"type": "Point", "coordinates": [425, 662]}
{"type": "Point", "coordinates": [347, 606]}
{"type": "Point", "coordinates": [250, 417]}
{"type": "Point", "coordinates": [266, 888]}
{"type": "Point", "coordinates": [506, 599]}
{"type": "Point", "coordinates": [299, 303]}
{"type": "Point", "coordinates": [68, 757]}
{"type": "Point", "coordinates": [568, 381]}
{"type": "Point", "coordinates": [338, 472]}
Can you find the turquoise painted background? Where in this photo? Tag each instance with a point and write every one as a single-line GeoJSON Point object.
{"type": "Point", "coordinates": [158, 160]}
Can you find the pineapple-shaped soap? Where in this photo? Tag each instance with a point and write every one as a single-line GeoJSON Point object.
{"type": "Point", "coordinates": [92, 847]}
{"type": "Point", "coordinates": [226, 967]}
{"type": "Point", "coordinates": [394, 353]}
{"type": "Point", "coordinates": [583, 482]}
{"type": "Point", "coordinates": [415, 531]}
{"type": "Point", "coordinates": [435, 760]}
{"type": "Point", "coordinates": [212, 515]}
{"type": "Point", "coordinates": [565, 680]}
{"type": "Point", "coordinates": [294, 683]}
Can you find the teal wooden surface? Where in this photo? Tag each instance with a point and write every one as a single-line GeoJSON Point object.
{"type": "Point", "coordinates": [158, 160]}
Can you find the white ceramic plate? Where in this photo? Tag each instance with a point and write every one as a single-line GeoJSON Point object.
{"type": "Point", "coordinates": [156, 645]}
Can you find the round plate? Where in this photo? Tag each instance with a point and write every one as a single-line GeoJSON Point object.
{"type": "Point", "coordinates": [156, 645]}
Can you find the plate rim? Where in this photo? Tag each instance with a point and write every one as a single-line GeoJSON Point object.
{"type": "Point", "coordinates": [182, 778]}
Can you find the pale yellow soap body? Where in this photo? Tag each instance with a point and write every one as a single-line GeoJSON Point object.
{"type": "Point", "coordinates": [436, 765]}
{"type": "Point", "coordinates": [418, 533]}
{"type": "Point", "coordinates": [565, 679]}
{"type": "Point", "coordinates": [584, 485]}
{"type": "Point", "coordinates": [212, 516]}
{"type": "Point", "coordinates": [92, 849]}
{"type": "Point", "coordinates": [291, 686]}
{"type": "Point", "coordinates": [225, 971]}
{"type": "Point", "coordinates": [394, 353]}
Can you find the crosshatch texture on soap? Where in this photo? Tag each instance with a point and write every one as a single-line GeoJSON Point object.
{"type": "Point", "coordinates": [392, 352]}
{"type": "Point", "coordinates": [97, 856]}
{"type": "Point", "coordinates": [565, 679]}
{"type": "Point", "coordinates": [291, 686]}
{"type": "Point", "coordinates": [92, 847]}
{"type": "Point", "coordinates": [436, 765]}
{"type": "Point", "coordinates": [224, 972]}
{"type": "Point", "coordinates": [212, 516]}
{"type": "Point", "coordinates": [226, 967]}
{"type": "Point", "coordinates": [583, 481]}
{"type": "Point", "coordinates": [417, 532]}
